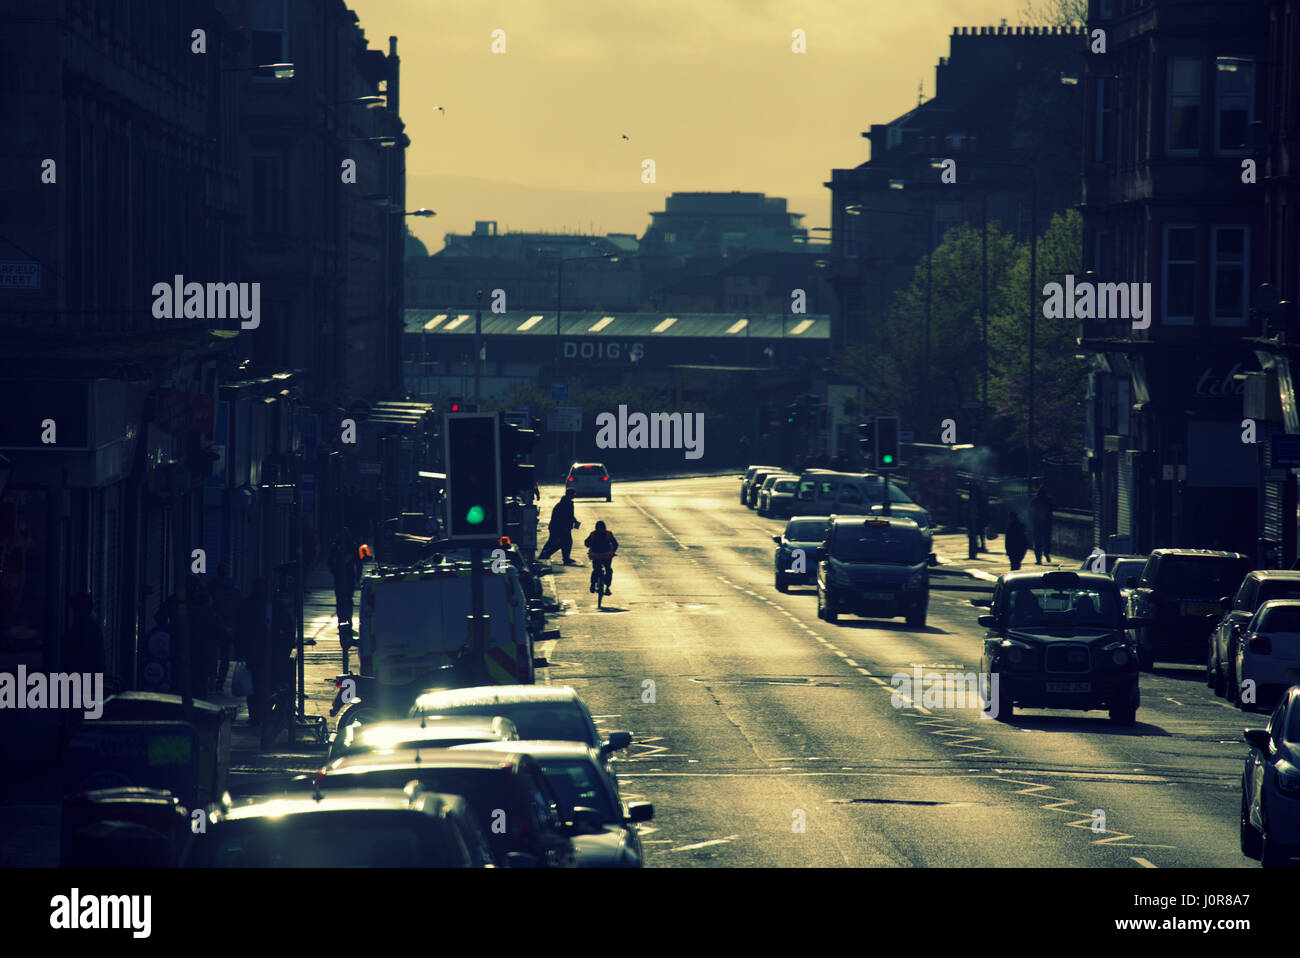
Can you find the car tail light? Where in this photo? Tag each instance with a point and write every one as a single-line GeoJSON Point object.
{"type": "Point", "coordinates": [571, 478]}
{"type": "Point", "coordinates": [604, 478]}
{"type": "Point", "coordinates": [1260, 644]}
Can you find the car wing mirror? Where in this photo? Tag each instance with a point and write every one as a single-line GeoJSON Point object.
{"type": "Point", "coordinates": [987, 621]}
{"type": "Point", "coordinates": [541, 662]}
{"type": "Point", "coordinates": [640, 812]}
{"type": "Point", "coordinates": [932, 559]}
{"type": "Point", "coordinates": [617, 742]}
{"type": "Point", "coordinates": [776, 539]}
{"type": "Point", "coordinates": [982, 603]}
{"type": "Point", "coordinates": [1258, 738]}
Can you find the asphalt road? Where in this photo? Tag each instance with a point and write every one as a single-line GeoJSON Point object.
{"type": "Point", "coordinates": [766, 737]}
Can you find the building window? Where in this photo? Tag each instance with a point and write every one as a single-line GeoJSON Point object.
{"type": "Point", "coordinates": [270, 201]}
{"type": "Point", "coordinates": [1229, 275]}
{"type": "Point", "coordinates": [1234, 103]}
{"type": "Point", "coordinates": [1180, 275]}
{"type": "Point", "coordinates": [1183, 106]}
{"type": "Point", "coordinates": [1105, 131]}
{"type": "Point", "coordinates": [270, 37]}
{"type": "Point", "coordinates": [1105, 9]}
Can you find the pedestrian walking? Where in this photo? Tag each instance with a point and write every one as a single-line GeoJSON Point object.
{"type": "Point", "coordinates": [345, 567]}
{"type": "Point", "coordinates": [225, 602]}
{"type": "Point", "coordinates": [263, 621]}
{"type": "Point", "coordinates": [1040, 519]}
{"type": "Point", "coordinates": [83, 642]}
{"type": "Point", "coordinates": [982, 513]}
{"type": "Point", "coordinates": [972, 523]}
{"type": "Point", "coordinates": [1017, 542]}
{"type": "Point", "coordinates": [561, 528]}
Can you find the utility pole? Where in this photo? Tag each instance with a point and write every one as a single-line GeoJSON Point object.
{"type": "Point", "coordinates": [478, 345]}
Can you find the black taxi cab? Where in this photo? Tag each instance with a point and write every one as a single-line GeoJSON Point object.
{"type": "Point", "coordinates": [1058, 640]}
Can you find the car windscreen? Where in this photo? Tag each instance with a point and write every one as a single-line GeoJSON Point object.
{"type": "Point", "coordinates": [1205, 577]}
{"type": "Point", "coordinates": [1044, 606]}
{"type": "Point", "coordinates": [1282, 619]}
{"type": "Point", "coordinates": [1126, 569]}
{"type": "Point", "coordinates": [878, 544]}
{"type": "Point", "coordinates": [785, 485]}
{"type": "Point", "coordinates": [807, 530]}
{"type": "Point", "coordinates": [547, 721]}
{"type": "Point", "coordinates": [577, 785]}
{"type": "Point", "coordinates": [874, 491]}
{"type": "Point", "coordinates": [589, 471]}
{"type": "Point", "coordinates": [326, 840]}
{"type": "Point", "coordinates": [1278, 589]}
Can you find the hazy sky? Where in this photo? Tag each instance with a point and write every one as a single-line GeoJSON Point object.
{"type": "Point", "coordinates": [708, 89]}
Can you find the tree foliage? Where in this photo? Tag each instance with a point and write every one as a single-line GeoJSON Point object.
{"type": "Point", "coordinates": [1055, 13]}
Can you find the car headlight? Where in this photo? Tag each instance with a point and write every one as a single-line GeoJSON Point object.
{"type": "Point", "coordinates": [1016, 653]}
{"type": "Point", "coordinates": [1120, 653]}
{"type": "Point", "coordinates": [1015, 656]}
{"type": "Point", "coordinates": [1288, 780]}
{"type": "Point", "coordinates": [917, 580]}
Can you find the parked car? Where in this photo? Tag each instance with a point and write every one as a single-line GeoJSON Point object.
{"type": "Point", "coordinates": [551, 712]}
{"type": "Point", "coordinates": [748, 477]}
{"type": "Point", "coordinates": [582, 780]}
{"type": "Point", "coordinates": [764, 496]}
{"type": "Point", "coordinates": [590, 480]}
{"type": "Point", "coordinates": [756, 483]}
{"type": "Point", "coordinates": [427, 731]}
{"type": "Point", "coordinates": [778, 501]}
{"type": "Point", "coordinates": [1257, 588]}
{"type": "Point", "coordinates": [1058, 640]}
{"type": "Point", "coordinates": [874, 567]}
{"type": "Point", "coordinates": [1268, 654]}
{"type": "Point", "coordinates": [1270, 786]}
{"type": "Point", "coordinates": [371, 828]}
{"type": "Point", "coordinates": [1179, 599]}
{"type": "Point", "coordinates": [804, 533]}
{"type": "Point", "coordinates": [854, 494]}
{"type": "Point", "coordinates": [1132, 565]}
{"type": "Point", "coordinates": [514, 804]}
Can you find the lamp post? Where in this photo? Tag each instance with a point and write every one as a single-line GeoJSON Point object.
{"type": "Point", "coordinates": [1033, 303]}
{"type": "Point", "coordinates": [478, 343]}
{"type": "Point", "coordinates": [559, 289]}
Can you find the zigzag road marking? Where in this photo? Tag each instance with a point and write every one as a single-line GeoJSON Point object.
{"type": "Point", "coordinates": [1116, 839]}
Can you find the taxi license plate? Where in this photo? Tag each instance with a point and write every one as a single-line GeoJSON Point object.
{"type": "Point", "coordinates": [1069, 686]}
{"type": "Point", "coordinates": [878, 596]}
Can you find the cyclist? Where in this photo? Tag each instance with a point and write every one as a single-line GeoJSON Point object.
{"type": "Point", "coordinates": [601, 546]}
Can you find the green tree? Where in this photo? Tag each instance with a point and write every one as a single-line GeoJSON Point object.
{"type": "Point", "coordinates": [1060, 385]}
{"type": "Point", "coordinates": [1055, 13]}
{"type": "Point", "coordinates": [892, 369]}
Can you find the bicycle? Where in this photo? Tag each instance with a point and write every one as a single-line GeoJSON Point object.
{"type": "Point", "coordinates": [601, 575]}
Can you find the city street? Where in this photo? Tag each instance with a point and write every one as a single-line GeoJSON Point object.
{"type": "Point", "coordinates": [751, 717]}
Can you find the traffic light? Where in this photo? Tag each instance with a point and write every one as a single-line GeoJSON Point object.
{"type": "Point", "coordinates": [454, 405]}
{"type": "Point", "coordinates": [473, 463]}
{"type": "Point", "coordinates": [886, 445]}
{"type": "Point", "coordinates": [866, 431]}
{"type": "Point", "coordinates": [516, 446]}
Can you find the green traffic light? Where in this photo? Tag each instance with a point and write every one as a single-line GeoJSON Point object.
{"type": "Point", "coordinates": [889, 459]}
{"type": "Point", "coordinates": [475, 515]}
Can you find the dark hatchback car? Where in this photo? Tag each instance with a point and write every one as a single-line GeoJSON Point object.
{"type": "Point", "coordinates": [1058, 640]}
{"type": "Point", "coordinates": [1257, 588]}
{"type": "Point", "coordinates": [874, 567]}
{"type": "Point", "coordinates": [512, 801]}
{"type": "Point", "coordinates": [582, 780]}
{"type": "Point", "coordinates": [795, 560]}
{"type": "Point", "coordinates": [371, 828]}
{"type": "Point", "coordinates": [1179, 599]}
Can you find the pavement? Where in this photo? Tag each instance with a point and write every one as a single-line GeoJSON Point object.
{"type": "Point", "coordinates": [952, 550]}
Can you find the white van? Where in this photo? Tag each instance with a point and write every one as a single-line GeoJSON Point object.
{"type": "Point", "coordinates": [414, 620]}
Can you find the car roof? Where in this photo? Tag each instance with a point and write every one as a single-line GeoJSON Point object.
{"type": "Point", "coordinates": [1270, 604]}
{"type": "Point", "coordinates": [347, 800]}
{"type": "Point", "coordinates": [539, 749]}
{"type": "Point", "coordinates": [902, 521]}
{"type": "Point", "coordinates": [494, 695]}
{"type": "Point", "coordinates": [586, 465]}
{"type": "Point", "coordinates": [1099, 578]}
{"type": "Point", "coordinates": [457, 726]}
{"type": "Point", "coordinates": [1283, 574]}
{"type": "Point", "coordinates": [418, 758]}
{"type": "Point", "coordinates": [1198, 552]}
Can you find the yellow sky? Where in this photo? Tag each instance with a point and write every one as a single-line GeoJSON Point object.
{"type": "Point", "coordinates": [708, 89]}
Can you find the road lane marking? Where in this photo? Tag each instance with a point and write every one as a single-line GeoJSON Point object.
{"type": "Point", "coordinates": [715, 841]}
{"type": "Point", "coordinates": [1143, 862]}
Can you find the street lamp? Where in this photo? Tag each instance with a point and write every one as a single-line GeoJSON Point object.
{"type": "Point", "coordinates": [1033, 301]}
{"type": "Point", "coordinates": [559, 287]}
{"type": "Point", "coordinates": [282, 71]}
